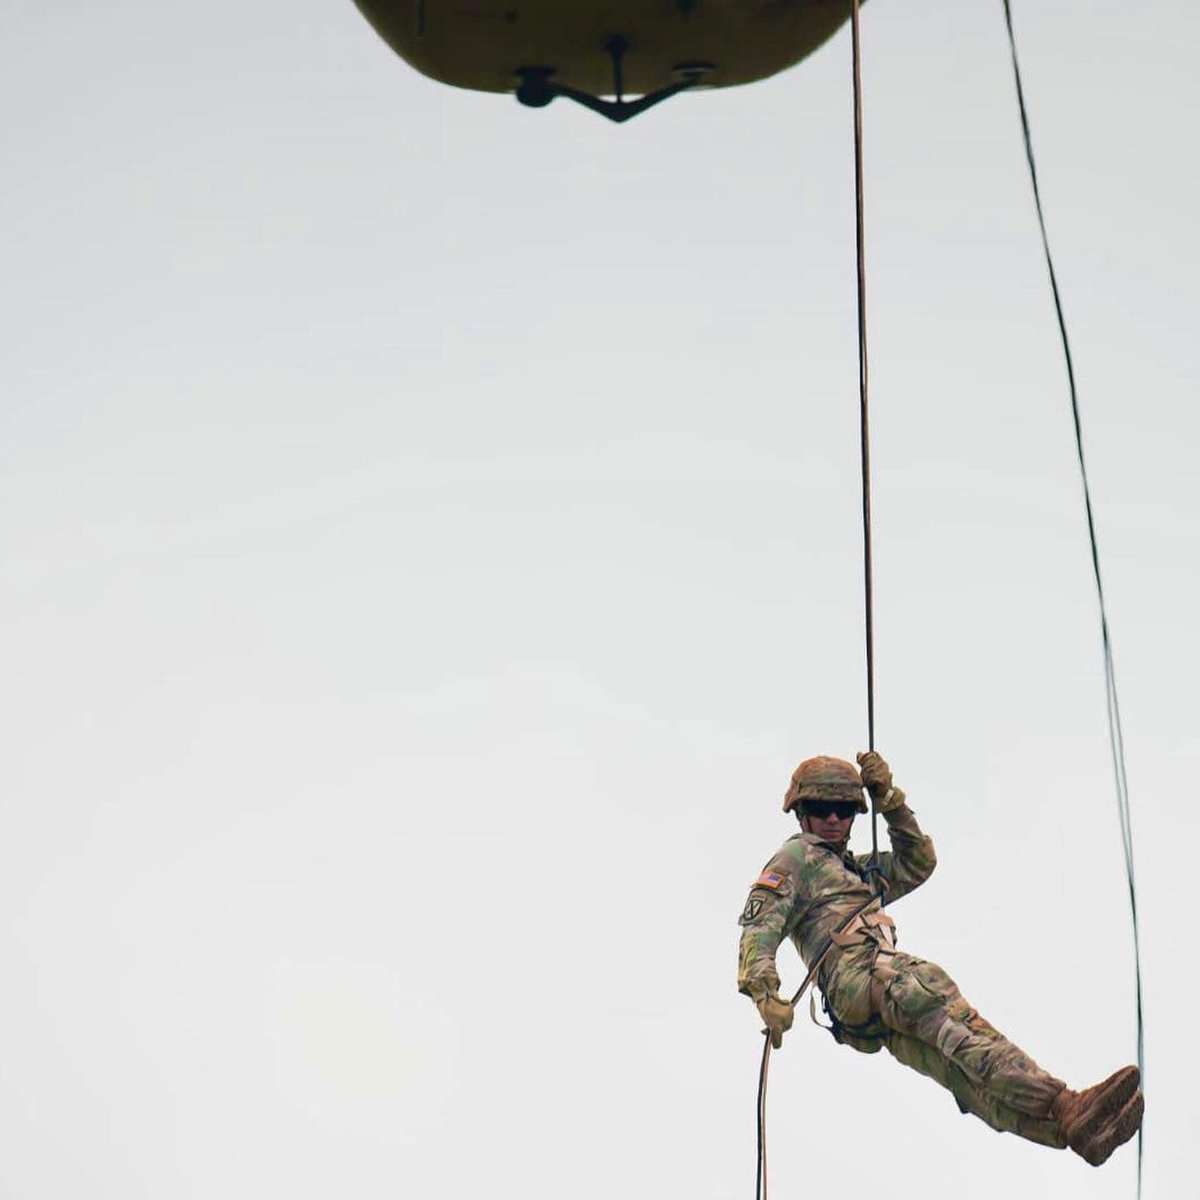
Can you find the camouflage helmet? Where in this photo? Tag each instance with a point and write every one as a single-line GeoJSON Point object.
{"type": "Point", "coordinates": [824, 778]}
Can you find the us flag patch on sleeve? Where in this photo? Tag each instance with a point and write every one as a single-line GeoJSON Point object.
{"type": "Point", "coordinates": [769, 879]}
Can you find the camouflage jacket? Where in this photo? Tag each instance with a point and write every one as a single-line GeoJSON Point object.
{"type": "Point", "coordinates": [808, 889]}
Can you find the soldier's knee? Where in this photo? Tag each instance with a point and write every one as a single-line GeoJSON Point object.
{"type": "Point", "coordinates": [935, 979]}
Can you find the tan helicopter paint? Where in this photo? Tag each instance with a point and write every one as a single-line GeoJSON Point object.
{"type": "Point", "coordinates": [480, 44]}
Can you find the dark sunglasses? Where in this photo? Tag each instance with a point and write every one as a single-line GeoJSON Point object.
{"type": "Point", "coordinates": [823, 809]}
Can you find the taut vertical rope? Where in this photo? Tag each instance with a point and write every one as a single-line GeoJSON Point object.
{"type": "Point", "coordinates": [1115, 735]}
{"type": "Point", "coordinates": [760, 1177]}
{"type": "Point", "coordinates": [864, 415]}
{"type": "Point", "coordinates": [864, 411]}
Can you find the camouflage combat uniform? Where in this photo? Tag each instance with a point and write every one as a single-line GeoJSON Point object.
{"type": "Point", "coordinates": [878, 996]}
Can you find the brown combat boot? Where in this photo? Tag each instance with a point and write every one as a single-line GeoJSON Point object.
{"type": "Point", "coordinates": [1099, 1119]}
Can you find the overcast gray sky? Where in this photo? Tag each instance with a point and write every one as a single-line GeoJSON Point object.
{"type": "Point", "coordinates": [430, 540]}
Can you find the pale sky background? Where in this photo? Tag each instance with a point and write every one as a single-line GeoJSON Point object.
{"type": "Point", "coordinates": [430, 540]}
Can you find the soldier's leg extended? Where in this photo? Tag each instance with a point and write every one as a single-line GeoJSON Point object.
{"type": "Point", "coordinates": [880, 997]}
{"type": "Point", "coordinates": [972, 1098]}
{"type": "Point", "coordinates": [930, 1022]}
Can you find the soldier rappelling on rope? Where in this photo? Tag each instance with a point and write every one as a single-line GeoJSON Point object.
{"type": "Point", "coordinates": [818, 893]}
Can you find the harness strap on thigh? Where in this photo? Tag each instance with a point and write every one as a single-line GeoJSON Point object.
{"type": "Point", "coordinates": [882, 973]}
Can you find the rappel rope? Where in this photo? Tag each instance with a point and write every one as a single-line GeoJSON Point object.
{"type": "Point", "coordinates": [1115, 735]}
{"type": "Point", "coordinates": [864, 421]}
{"type": "Point", "coordinates": [760, 1176]}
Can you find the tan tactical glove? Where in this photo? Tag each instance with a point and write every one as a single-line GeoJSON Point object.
{"type": "Point", "coordinates": [877, 779]}
{"type": "Point", "coordinates": [777, 1014]}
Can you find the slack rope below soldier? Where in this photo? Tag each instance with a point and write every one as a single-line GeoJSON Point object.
{"type": "Point", "coordinates": [815, 891]}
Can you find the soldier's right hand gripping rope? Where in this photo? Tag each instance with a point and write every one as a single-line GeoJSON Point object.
{"type": "Point", "coordinates": [877, 779]}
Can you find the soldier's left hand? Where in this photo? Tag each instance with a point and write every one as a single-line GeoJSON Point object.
{"type": "Point", "coordinates": [876, 774]}
{"type": "Point", "coordinates": [777, 1014]}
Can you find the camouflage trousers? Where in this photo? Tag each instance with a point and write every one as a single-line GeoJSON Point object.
{"type": "Point", "coordinates": [880, 997]}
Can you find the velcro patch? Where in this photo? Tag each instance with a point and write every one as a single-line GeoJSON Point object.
{"type": "Point", "coordinates": [769, 879]}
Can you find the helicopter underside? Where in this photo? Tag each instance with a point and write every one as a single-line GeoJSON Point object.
{"type": "Point", "coordinates": [486, 44]}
